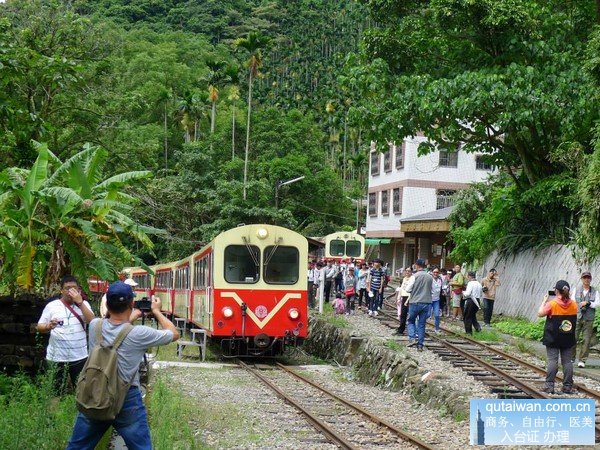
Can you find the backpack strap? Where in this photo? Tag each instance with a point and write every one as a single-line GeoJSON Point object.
{"type": "Point", "coordinates": [120, 337]}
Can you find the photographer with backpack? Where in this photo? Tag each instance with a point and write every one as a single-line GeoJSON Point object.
{"type": "Point", "coordinates": [108, 389]}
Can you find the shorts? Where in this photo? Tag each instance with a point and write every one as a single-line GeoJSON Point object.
{"type": "Point", "coordinates": [456, 300]}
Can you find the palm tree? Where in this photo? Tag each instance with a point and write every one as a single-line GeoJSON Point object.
{"type": "Point", "coordinates": [66, 218]}
{"type": "Point", "coordinates": [253, 43]}
{"type": "Point", "coordinates": [191, 109]}
{"type": "Point", "coordinates": [214, 78]}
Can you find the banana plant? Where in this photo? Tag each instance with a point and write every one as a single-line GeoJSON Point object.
{"type": "Point", "coordinates": [67, 217]}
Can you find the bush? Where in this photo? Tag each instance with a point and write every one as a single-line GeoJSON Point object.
{"type": "Point", "coordinates": [522, 328]}
{"type": "Point", "coordinates": [33, 417]}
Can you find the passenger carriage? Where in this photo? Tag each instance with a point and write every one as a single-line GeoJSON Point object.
{"type": "Point", "coordinates": [344, 245]}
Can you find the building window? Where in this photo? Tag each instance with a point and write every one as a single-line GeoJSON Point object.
{"type": "Point", "coordinates": [448, 159]}
{"type": "Point", "coordinates": [397, 201]}
{"type": "Point", "coordinates": [385, 203]}
{"type": "Point", "coordinates": [445, 198]}
{"type": "Point", "coordinates": [375, 163]}
{"type": "Point", "coordinates": [399, 155]}
{"type": "Point", "coordinates": [373, 204]}
{"type": "Point", "coordinates": [387, 160]}
{"type": "Point", "coordinates": [480, 163]}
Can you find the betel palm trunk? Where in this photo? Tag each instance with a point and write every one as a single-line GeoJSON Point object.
{"type": "Point", "coordinates": [248, 131]}
{"type": "Point", "coordinates": [233, 133]}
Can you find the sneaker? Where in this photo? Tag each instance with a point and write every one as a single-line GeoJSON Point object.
{"type": "Point", "coordinates": [438, 331]}
{"type": "Point", "coordinates": [370, 312]}
{"type": "Point", "coordinates": [548, 390]}
{"type": "Point", "coordinates": [581, 364]}
{"type": "Point", "coordinates": [375, 313]}
{"type": "Point", "coordinates": [420, 348]}
{"type": "Point", "coordinates": [567, 391]}
{"type": "Point", "coordinates": [411, 343]}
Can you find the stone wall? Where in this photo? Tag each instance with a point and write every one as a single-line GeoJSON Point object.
{"type": "Point", "coordinates": [526, 277]}
{"type": "Point", "coordinates": [21, 347]}
{"type": "Point", "coordinates": [375, 364]}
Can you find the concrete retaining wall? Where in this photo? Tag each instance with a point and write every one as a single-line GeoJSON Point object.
{"type": "Point", "coordinates": [526, 277]}
{"type": "Point", "coordinates": [374, 363]}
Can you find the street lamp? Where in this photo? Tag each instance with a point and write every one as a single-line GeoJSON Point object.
{"type": "Point", "coordinates": [283, 183]}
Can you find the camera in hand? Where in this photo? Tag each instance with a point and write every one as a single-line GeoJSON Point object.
{"type": "Point", "coordinates": [144, 304]}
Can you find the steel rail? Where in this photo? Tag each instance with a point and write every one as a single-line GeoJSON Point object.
{"type": "Point", "coordinates": [591, 392]}
{"type": "Point", "coordinates": [319, 425]}
{"type": "Point", "coordinates": [498, 372]}
{"type": "Point", "coordinates": [377, 420]}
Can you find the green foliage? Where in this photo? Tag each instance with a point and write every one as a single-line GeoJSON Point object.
{"type": "Point", "coordinates": [66, 218]}
{"type": "Point", "coordinates": [513, 80]}
{"type": "Point", "coordinates": [522, 328]}
{"type": "Point", "coordinates": [33, 417]}
{"type": "Point", "coordinates": [205, 196]}
{"type": "Point", "coordinates": [499, 216]}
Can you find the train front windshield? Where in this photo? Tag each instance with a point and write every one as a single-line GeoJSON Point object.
{"type": "Point", "coordinates": [353, 248]}
{"type": "Point", "coordinates": [337, 247]}
{"type": "Point", "coordinates": [281, 265]}
{"type": "Point", "coordinates": [242, 264]}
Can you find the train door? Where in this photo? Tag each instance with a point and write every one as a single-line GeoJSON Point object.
{"type": "Point", "coordinates": [209, 298]}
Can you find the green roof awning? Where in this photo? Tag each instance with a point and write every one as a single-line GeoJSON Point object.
{"type": "Point", "coordinates": [377, 241]}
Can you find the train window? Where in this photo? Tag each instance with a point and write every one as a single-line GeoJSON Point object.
{"type": "Point", "coordinates": [242, 263]}
{"type": "Point", "coordinates": [200, 273]}
{"type": "Point", "coordinates": [337, 247]}
{"type": "Point", "coordinates": [281, 265]}
{"type": "Point", "coordinates": [353, 248]}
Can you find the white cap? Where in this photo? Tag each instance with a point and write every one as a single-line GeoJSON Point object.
{"type": "Point", "coordinates": [130, 282]}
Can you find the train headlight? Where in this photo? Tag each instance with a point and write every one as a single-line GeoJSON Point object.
{"type": "Point", "coordinates": [294, 314]}
{"type": "Point", "coordinates": [262, 233]}
{"type": "Point", "coordinates": [227, 312]}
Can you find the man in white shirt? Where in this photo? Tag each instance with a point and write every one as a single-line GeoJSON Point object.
{"type": "Point", "coordinates": [65, 320]}
{"type": "Point", "coordinates": [473, 295]}
{"type": "Point", "coordinates": [588, 300]}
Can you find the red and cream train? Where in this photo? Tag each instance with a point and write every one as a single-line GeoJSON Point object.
{"type": "Point", "coordinates": [247, 288]}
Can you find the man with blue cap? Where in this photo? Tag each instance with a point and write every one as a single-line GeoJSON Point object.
{"type": "Point", "coordinates": [132, 421]}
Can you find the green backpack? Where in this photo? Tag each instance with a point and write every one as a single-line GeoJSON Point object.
{"type": "Point", "coordinates": [100, 392]}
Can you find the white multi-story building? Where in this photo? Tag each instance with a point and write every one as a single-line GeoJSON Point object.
{"type": "Point", "coordinates": [416, 191]}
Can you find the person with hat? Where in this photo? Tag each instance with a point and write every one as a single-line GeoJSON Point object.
{"type": "Point", "coordinates": [588, 299]}
{"type": "Point", "coordinates": [559, 335]}
{"type": "Point", "coordinates": [132, 421]}
{"type": "Point", "coordinates": [103, 311]}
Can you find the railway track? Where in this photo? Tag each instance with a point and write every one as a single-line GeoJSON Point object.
{"type": "Point", "coordinates": [342, 422]}
{"type": "Point", "coordinates": [506, 375]}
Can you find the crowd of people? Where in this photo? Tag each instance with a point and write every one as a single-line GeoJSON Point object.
{"type": "Point", "coordinates": [360, 286]}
